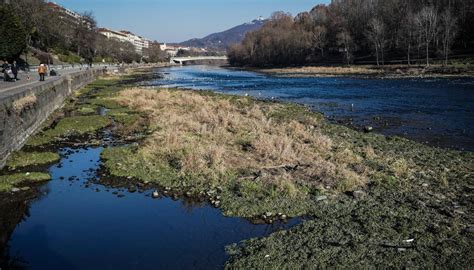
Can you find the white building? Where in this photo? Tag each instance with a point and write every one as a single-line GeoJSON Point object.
{"type": "Point", "coordinates": [139, 42]}
{"type": "Point", "coordinates": [69, 15]}
{"type": "Point", "coordinates": [64, 10]}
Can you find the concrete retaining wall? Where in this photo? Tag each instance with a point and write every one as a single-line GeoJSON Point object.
{"type": "Point", "coordinates": [23, 110]}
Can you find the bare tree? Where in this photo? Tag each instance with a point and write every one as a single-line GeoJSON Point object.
{"type": "Point", "coordinates": [409, 34]}
{"type": "Point", "coordinates": [448, 30]}
{"type": "Point", "coordinates": [344, 39]}
{"type": "Point", "coordinates": [85, 36]}
{"type": "Point", "coordinates": [427, 22]}
{"type": "Point", "coordinates": [320, 38]}
{"type": "Point", "coordinates": [376, 34]}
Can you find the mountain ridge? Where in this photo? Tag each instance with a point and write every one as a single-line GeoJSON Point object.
{"type": "Point", "coordinates": [222, 40]}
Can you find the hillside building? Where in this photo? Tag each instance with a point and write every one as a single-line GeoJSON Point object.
{"type": "Point", "coordinates": [139, 42]}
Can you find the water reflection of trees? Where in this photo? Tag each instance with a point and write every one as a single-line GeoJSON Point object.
{"type": "Point", "coordinates": [13, 210]}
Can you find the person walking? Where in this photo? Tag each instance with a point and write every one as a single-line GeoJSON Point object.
{"type": "Point", "coordinates": [42, 72]}
{"type": "Point", "coordinates": [5, 67]}
{"type": "Point", "coordinates": [15, 70]}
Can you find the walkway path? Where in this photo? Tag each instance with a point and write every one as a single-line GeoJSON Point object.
{"type": "Point", "coordinates": [33, 79]}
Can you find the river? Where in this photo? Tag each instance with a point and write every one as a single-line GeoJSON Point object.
{"type": "Point", "coordinates": [79, 223]}
{"type": "Point", "coordinates": [439, 112]}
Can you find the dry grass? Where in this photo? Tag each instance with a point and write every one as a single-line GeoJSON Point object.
{"type": "Point", "coordinates": [20, 104]}
{"type": "Point", "coordinates": [349, 70]}
{"type": "Point", "coordinates": [212, 136]}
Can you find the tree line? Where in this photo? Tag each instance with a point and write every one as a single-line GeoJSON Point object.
{"type": "Point", "coordinates": [361, 31]}
{"type": "Point", "coordinates": [33, 26]}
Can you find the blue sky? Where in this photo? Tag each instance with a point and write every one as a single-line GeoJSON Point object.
{"type": "Point", "coordinates": [179, 20]}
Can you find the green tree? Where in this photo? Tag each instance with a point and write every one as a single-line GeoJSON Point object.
{"type": "Point", "coordinates": [12, 33]}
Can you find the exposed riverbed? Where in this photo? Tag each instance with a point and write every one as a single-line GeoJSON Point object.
{"type": "Point", "coordinates": [435, 111]}
{"type": "Point", "coordinates": [88, 217]}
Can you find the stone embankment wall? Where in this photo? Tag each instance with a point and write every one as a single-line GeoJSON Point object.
{"type": "Point", "coordinates": [24, 109]}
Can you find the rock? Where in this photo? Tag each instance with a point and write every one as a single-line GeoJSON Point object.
{"type": "Point", "coordinates": [401, 249]}
{"type": "Point", "coordinates": [121, 195]}
{"type": "Point", "coordinates": [358, 194]}
{"type": "Point", "coordinates": [25, 188]}
{"type": "Point", "coordinates": [155, 194]}
{"type": "Point", "coordinates": [268, 214]}
{"type": "Point", "coordinates": [132, 189]}
{"type": "Point", "coordinates": [115, 192]}
{"type": "Point", "coordinates": [167, 188]}
{"type": "Point", "coordinates": [424, 185]}
{"type": "Point", "coordinates": [321, 198]}
{"type": "Point", "coordinates": [15, 189]}
{"type": "Point", "coordinates": [283, 216]}
{"type": "Point", "coordinates": [368, 129]}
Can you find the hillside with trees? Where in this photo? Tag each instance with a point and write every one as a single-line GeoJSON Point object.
{"type": "Point", "coordinates": [34, 28]}
{"type": "Point", "coordinates": [222, 40]}
{"type": "Point", "coordinates": [362, 32]}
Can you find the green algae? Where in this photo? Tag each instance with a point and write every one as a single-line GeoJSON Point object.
{"type": "Point", "coordinates": [387, 229]}
{"type": "Point", "coordinates": [87, 109]}
{"type": "Point", "coordinates": [104, 102]}
{"type": "Point", "coordinates": [8, 181]}
{"type": "Point", "coordinates": [70, 126]}
{"type": "Point", "coordinates": [237, 198]}
{"type": "Point", "coordinates": [25, 159]}
{"type": "Point", "coordinates": [124, 116]}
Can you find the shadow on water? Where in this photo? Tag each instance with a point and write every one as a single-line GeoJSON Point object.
{"type": "Point", "coordinates": [81, 225]}
{"type": "Point", "coordinates": [439, 112]}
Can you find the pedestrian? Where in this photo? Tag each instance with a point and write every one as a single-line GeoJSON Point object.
{"type": "Point", "coordinates": [5, 67]}
{"type": "Point", "coordinates": [42, 72]}
{"type": "Point", "coordinates": [15, 70]}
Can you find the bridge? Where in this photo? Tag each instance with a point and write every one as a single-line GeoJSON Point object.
{"type": "Point", "coordinates": [181, 60]}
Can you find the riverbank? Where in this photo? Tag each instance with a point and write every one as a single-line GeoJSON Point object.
{"type": "Point", "coordinates": [369, 71]}
{"type": "Point", "coordinates": [390, 200]}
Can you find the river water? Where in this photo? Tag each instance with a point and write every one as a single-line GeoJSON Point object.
{"type": "Point", "coordinates": [78, 223]}
{"type": "Point", "coordinates": [439, 112]}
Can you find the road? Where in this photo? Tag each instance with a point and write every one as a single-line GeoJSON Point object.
{"type": "Point", "coordinates": [32, 78]}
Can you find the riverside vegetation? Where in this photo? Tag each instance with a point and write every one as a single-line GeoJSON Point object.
{"type": "Point", "coordinates": [388, 200]}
